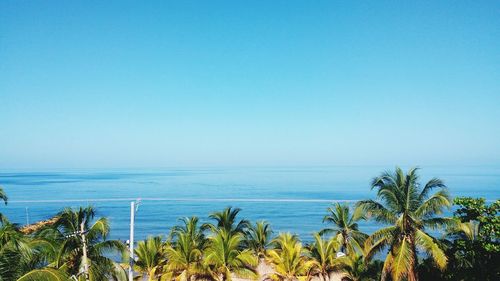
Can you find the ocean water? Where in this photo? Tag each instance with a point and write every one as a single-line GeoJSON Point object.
{"type": "Point", "coordinates": [291, 199]}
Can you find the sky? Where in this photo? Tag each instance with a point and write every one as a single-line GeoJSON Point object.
{"type": "Point", "coordinates": [145, 84]}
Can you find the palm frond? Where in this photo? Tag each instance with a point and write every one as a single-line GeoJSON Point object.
{"type": "Point", "coordinates": [44, 274]}
{"type": "Point", "coordinates": [431, 247]}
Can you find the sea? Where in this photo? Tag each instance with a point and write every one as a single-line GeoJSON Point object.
{"type": "Point", "coordinates": [291, 199]}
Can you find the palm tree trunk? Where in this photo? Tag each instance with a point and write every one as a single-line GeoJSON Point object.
{"type": "Point", "coordinates": [413, 275]}
{"type": "Point", "coordinates": [321, 277]}
{"type": "Point", "coordinates": [327, 276]}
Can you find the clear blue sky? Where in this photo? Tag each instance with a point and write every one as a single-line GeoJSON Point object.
{"type": "Point", "coordinates": [92, 84]}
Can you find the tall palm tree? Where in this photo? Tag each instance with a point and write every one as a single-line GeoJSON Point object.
{"type": "Point", "coordinates": [289, 259]}
{"type": "Point", "coordinates": [151, 257]}
{"type": "Point", "coordinates": [70, 254]}
{"type": "Point", "coordinates": [355, 268]}
{"type": "Point", "coordinates": [45, 274]}
{"type": "Point", "coordinates": [345, 227]}
{"type": "Point", "coordinates": [190, 227]}
{"type": "Point", "coordinates": [224, 256]}
{"type": "Point", "coordinates": [20, 253]}
{"type": "Point", "coordinates": [410, 210]}
{"type": "Point", "coordinates": [226, 219]}
{"type": "Point", "coordinates": [258, 238]}
{"type": "Point", "coordinates": [323, 253]}
{"type": "Point", "coordinates": [3, 196]}
{"type": "Point", "coordinates": [185, 253]}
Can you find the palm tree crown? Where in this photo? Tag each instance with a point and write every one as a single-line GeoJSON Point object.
{"type": "Point", "coordinates": [185, 253]}
{"type": "Point", "coordinates": [323, 253]}
{"type": "Point", "coordinates": [345, 227]}
{"type": "Point", "coordinates": [151, 256]}
{"type": "Point", "coordinates": [226, 219]}
{"type": "Point", "coordinates": [259, 238]}
{"type": "Point", "coordinates": [409, 209]}
{"type": "Point", "coordinates": [224, 256]}
{"type": "Point", "coordinates": [3, 195]}
{"type": "Point", "coordinates": [289, 259]}
{"type": "Point", "coordinates": [70, 255]}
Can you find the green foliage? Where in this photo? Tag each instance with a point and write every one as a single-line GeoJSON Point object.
{"type": "Point", "coordinates": [345, 228]}
{"type": "Point", "coordinates": [470, 209]}
{"type": "Point", "coordinates": [231, 247]}
{"type": "Point", "coordinates": [224, 256]}
{"type": "Point", "coordinates": [409, 209]}
{"type": "Point", "coordinates": [184, 255]}
{"type": "Point", "coordinates": [474, 249]}
{"type": "Point", "coordinates": [45, 274]}
{"type": "Point", "coordinates": [3, 195]}
{"type": "Point", "coordinates": [357, 268]}
{"type": "Point", "coordinates": [70, 246]}
{"type": "Point", "coordinates": [323, 254]}
{"type": "Point", "coordinates": [289, 259]}
{"type": "Point", "coordinates": [226, 219]}
{"type": "Point", "coordinates": [151, 257]}
{"type": "Point", "coordinates": [258, 238]}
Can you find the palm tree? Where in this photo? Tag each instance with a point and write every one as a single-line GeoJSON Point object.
{"type": "Point", "coordinates": [258, 238]}
{"type": "Point", "coordinates": [151, 257]}
{"type": "Point", "coordinates": [20, 253]}
{"type": "Point", "coordinates": [185, 253]}
{"type": "Point", "coordinates": [323, 254]}
{"type": "Point", "coordinates": [3, 195]}
{"type": "Point", "coordinates": [70, 255]}
{"type": "Point", "coordinates": [355, 268]}
{"type": "Point", "coordinates": [226, 219]}
{"type": "Point", "coordinates": [345, 227]}
{"type": "Point", "coordinates": [224, 256]}
{"type": "Point", "coordinates": [464, 230]}
{"type": "Point", "coordinates": [410, 210]}
{"type": "Point", "coordinates": [289, 260]}
{"type": "Point", "coordinates": [45, 274]}
{"type": "Point", "coordinates": [190, 228]}
{"type": "Point", "coordinates": [14, 252]}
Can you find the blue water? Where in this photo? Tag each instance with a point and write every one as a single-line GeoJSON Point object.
{"type": "Point", "coordinates": [292, 199]}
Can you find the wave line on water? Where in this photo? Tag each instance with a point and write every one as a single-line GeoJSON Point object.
{"type": "Point", "coordinates": [256, 200]}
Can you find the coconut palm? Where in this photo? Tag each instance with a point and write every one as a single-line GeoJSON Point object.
{"type": "Point", "coordinates": [258, 238]}
{"type": "Point", "coordinates": [464, 230]}
{"type": "Point", "coordinates": [226, 219]}
{"type": "Point", "coordinates": [70, 256]}
{"type": "Point", "coordinates": [355, 268]}
{"type": "Point", "coordinates": [20, 254]}
{"type": "Point", "coordinates": [289, 259]}
{"type": "Point", "coordinates": [185, 253]}
{"type": "Point", "coordinates": [151, 257]}
{"type": "Point", "coordinates": [45, 274]}
{"type": "Point", "coordinates": [410, 210]}
{"type": "Point", "coordinates": [323, 253]}
{"type": "Point", "coordinates": [3, 196]}
{"type": "Point", "coordinates": [224, 256]}
{"type": "Point", "coordinates": [345, 228]}
{"type": "Point", "coordinates": [14, 252]}
{"type": "Point", "coordinates": [190, 227]}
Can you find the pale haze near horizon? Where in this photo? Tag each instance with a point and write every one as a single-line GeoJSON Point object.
{"type": "Point", "coordinates": [118, 84]}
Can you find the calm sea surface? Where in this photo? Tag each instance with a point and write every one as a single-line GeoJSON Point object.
{"type": "Point", "coordinates": [291, 199]}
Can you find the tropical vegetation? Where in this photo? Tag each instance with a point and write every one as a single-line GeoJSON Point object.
{"type": "Point", "coordinates": [423, 235]}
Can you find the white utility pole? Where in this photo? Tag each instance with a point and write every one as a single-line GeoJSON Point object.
{"type": "Point", "coordinates": [27, 217]}
{"type": "Point", "coordinates": [85, 260]}
{"type": "Point", "coordinates": [133, 209]}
